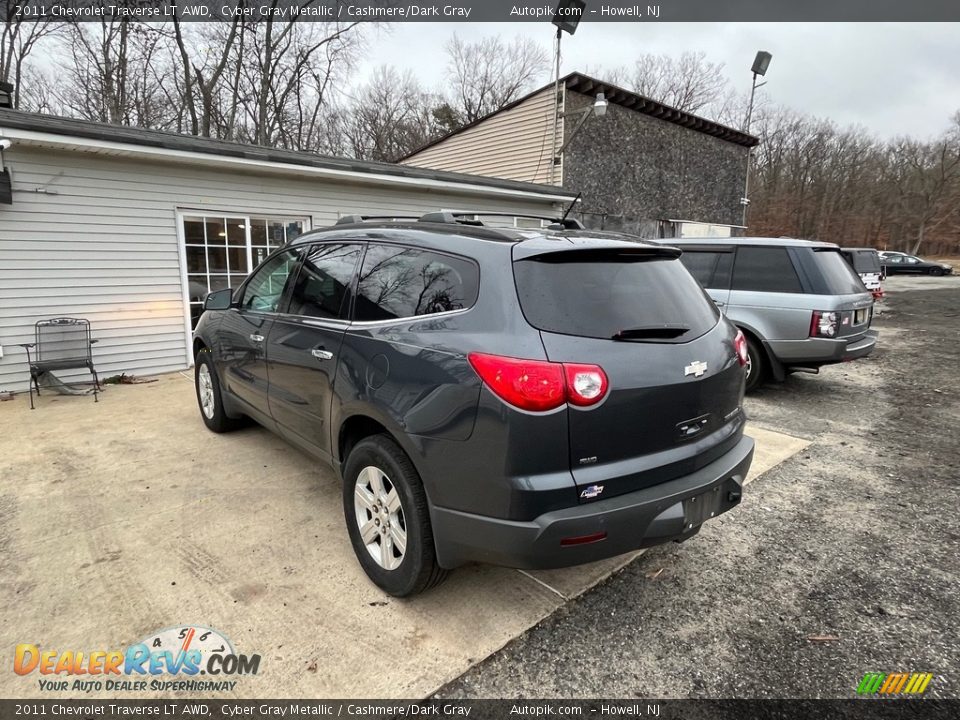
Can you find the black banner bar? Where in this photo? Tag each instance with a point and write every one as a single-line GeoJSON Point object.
{"type": "Point", "coordinates": [487, 10]}
{"type": "Point", "coordinates": [184, 709]}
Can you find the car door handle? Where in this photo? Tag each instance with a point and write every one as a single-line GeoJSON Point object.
{"type": "Point", "coordinates": [321, 354]}
{"type": "Point", "coordinates": [257, 338]}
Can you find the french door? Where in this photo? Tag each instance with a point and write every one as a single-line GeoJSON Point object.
{"type": "Point", "coordinates": [220, 250]}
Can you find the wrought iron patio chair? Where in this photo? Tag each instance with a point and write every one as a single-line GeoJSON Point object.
{"type": "Point", "coordinates": [60, 344]}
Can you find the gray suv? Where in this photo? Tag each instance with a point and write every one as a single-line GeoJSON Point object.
{"type": "Point", "coordinates": [800, 305]}
{"type": "Point", "coordinates": [529, 398]}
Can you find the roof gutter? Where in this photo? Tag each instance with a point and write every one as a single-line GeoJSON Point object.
{"type": "Point", "coordinates": [31, 137]}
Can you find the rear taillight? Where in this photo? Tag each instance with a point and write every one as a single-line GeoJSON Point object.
{"type": "Point", "coordinates": [824, 324]}
{"type": "Point", "coordinates": [740, 345]}
{"type": "Point", "coordinates": [528, 384]}
{"type": "Point", "coordinates": [540, 385]}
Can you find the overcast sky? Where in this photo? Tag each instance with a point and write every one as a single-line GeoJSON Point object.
{"type": "Point", "coordinates": [890, 78]}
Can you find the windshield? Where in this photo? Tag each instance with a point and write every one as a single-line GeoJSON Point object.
{"type": "Point", "coordinates": [610, 295]}
{"type": "Point", "coordinates": [836, 277]}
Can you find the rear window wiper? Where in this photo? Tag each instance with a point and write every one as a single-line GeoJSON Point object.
{"type": "Point", "coordinates": [651, 332]}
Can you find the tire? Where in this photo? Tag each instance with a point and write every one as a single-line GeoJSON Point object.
{"type": "Point", "coordinates": [207, 385]}
{"type": "Point", "coordinates": [936, 272]}
{"type": "Point", "coordinates": [382, 492]}
{"type": "Point", "coordinates": [756, 365]}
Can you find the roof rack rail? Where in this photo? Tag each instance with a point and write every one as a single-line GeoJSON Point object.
{"type": "Point", "coordinates": [353, 219]}
{"type": "Point", "coordinates": [450, 217]}
{"type": "Point", "coordinates": [460, 216]}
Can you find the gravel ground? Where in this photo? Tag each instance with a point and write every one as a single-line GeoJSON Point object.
{"type": "Point", "coordinates": [842, 560]}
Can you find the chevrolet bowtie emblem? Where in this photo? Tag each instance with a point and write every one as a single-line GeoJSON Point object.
{"type": "Point", "coordinates": [696, 368]}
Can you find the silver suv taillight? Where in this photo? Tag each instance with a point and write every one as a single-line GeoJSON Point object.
{"type": "Point", "coordinates": [824, 324]}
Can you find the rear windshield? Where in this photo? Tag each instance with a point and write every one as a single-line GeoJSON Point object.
{"type": "Point", "coordinates": [865, 261]}
{"type": "Point", "coordinates": [834, 276]}
{"type": "Point", "coordinates": [601, 294]}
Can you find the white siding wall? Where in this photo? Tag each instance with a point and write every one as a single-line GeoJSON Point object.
{"type": "Point", "coordinates": [95, 236]}
{"type": "Point", "coordinates": [513, 144]}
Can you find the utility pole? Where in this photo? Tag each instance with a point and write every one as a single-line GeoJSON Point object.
{"type": "Point", "coordinates": [566, 17]}
{"type": "Point", "coordinates": [760, 64]}
{"type": "Point", "coordinates": [556, 109]}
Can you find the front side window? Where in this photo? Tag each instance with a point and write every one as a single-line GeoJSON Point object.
{"type": "Point", "coordinates": [765, 269]}
{"type": "Point", "coordinates": [322, 288]}
{"type": "Point", "coordinates": [702, 265]}
{"type": "Point", "coordinates": [264, 292]}
{"type": "Point", "coordinates": [399, 282]}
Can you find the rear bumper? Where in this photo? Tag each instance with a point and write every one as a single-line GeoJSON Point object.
{"type": "Point", "coordinates": [860, 348]}
{"type": "Point", "coordinates": [814, 352]}
{"type": "Point", "coordinates": [673, 510]}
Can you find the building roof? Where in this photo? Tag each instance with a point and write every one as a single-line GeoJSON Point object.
{"type": "Point", "coordinates": [578, 82]}
{"type": "Point", "coordinates": [33, 126]}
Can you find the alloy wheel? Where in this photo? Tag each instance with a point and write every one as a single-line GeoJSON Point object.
{"type": "Point", "coordinates": [205, 390]}
{"type": "Point", "coordinates": [379, 515]}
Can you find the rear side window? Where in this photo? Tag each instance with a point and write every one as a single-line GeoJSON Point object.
{"type": "Point", "coordinates": [400, 282]}
{"type": "Point", "coordinates": [829, 273]}
{"type": "Point", "coordinates": [601, 294]}
{"type": "Point", "coordinates": [765, 269]}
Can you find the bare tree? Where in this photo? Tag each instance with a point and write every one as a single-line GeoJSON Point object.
{"type": "Point", "coordinates": [690, 82]}
{"type": "Point", "coordinates": [927, 177]}
{"type": "Point", "coordinates": [110, 72]}
{"type": "Point", "coordinates": [813, 179]}
{"type": "Point", "coordinates": [391, 116]}
{"type": "Point", "coordinates": [205, 51]}
{"type": "Point", "coordinates": [39, 92]}
{"type": "Point", "coordinates": [286, 71]}
{"type": "Point", "coordinates": [488, 74]}
{"type": "Point", "coordinates": [18, 38]}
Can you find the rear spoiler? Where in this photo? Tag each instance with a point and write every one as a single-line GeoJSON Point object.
{"type": "Point", "coordinates": [586, 250]}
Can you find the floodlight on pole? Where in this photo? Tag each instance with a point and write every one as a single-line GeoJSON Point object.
{"type": "Point", "coordinates": [566, 17]}
{"type": "Point", "coordinates": [761, 62]}
{"type": "Point", "coordinates": [759, 69]}
{"type": "Point", "coordinates": [599, 108]}
{"type": "Point", "coordinates": [568, 14]}
{"type": "Point", "coordinates": [600, 105]}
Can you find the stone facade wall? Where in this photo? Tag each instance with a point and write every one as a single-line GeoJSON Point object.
{"type": "Point", "coordinates": [636, 172]}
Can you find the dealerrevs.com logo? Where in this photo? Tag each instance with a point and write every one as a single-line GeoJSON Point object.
{"type": "Point", "coordinates": [172, 659]}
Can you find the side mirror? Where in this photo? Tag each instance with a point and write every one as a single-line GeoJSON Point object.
{"type": "Point", "coordinates": [219, 300]}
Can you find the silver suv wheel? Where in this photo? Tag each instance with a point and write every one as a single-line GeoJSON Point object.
{"type": "Point", "coordinates": [379, 515]}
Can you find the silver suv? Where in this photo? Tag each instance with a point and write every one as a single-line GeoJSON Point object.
{"type": "Point", "coordinates": [798, 303]}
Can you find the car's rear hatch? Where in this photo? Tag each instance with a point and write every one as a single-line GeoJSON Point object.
{"type": "Point", "coordinates": [866, 263]}
{"type": "Point", "coordinates": [675, 384]}
{"type": "Point", "coordinates": [828, 274]}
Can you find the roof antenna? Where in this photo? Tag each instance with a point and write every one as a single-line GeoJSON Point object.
{"type": "Point", "coordinates": [575, 201]}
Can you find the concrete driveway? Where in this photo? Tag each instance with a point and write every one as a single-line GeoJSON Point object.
{"type": "Point", "coordinates": [120, 518]}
